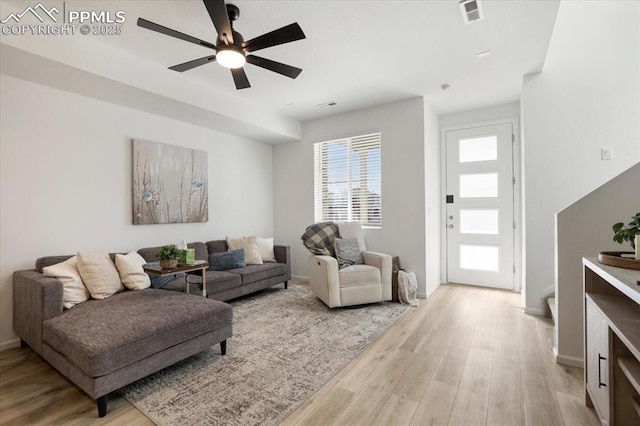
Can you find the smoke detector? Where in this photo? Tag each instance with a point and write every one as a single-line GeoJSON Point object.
{"type": "Point", "coordinates": [471, 10]}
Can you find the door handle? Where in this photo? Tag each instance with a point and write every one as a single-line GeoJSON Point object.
{"type": "Point", "coordinates": [450, 226]}
{"type": "Point", "coordinates": [600, 358]}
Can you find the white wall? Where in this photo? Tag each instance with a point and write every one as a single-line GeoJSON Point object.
{"type": "Point", "coordinates": [491, 113]}
{"type": "Point", "coordinates": [587, 97]}
{"type": "Point", "coordinates": [403, 182]}
{"type": "Point", "coordinates": [66, 180]}
{"type": "Point", "coordinates": [433, 198]}
{"type": "Point", "coordinates": [583, 230]}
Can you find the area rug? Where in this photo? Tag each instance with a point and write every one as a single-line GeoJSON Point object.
{"type": "Point", "coordinates": [286, 345]}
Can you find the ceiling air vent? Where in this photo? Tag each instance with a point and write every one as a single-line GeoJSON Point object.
{"type": "Point", "coordinates": [471, 10]}
{"type": "Point", "coordinates": [326, 104]}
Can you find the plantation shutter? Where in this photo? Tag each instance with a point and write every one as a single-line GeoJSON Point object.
{"type": "Point", "coordinates": [347, 180]}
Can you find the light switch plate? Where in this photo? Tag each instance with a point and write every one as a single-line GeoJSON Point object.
{"type": "Point", "coordinates": [606, 153]}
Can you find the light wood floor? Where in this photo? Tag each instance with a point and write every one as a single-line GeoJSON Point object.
{"type": "Point", "coordinates": [466, 356]}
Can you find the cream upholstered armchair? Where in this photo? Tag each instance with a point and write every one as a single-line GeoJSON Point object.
{"type": "Point", "coordinates": [356, 284]}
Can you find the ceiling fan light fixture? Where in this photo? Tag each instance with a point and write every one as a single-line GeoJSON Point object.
{"type": "Point", "coordinates": [231, 49]}
{"type": "Point", "coordinates": [230, 57]}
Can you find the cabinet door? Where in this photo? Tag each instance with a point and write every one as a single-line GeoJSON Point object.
{"type": "Point", "coordinates": [597, 334]}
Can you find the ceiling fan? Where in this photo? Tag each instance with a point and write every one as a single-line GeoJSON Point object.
{"type": "Point", "coordinates": [231, 49]}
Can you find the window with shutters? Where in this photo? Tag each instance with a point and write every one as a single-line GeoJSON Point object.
{"type": "Point", "coordinates": [347, 181]}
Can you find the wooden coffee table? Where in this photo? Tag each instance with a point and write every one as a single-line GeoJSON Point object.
{"type": "Point", "coordinates": [198, 268]}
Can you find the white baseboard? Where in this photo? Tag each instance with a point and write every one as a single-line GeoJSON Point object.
{"type": "Point", "coordinates": [422, 295]}
{"type": "Point", "coordinates": [300, 277]}
{"type": "Point", "coordinates": [9, 344]}
{"type": "Point", "coordinates": [568, 360]}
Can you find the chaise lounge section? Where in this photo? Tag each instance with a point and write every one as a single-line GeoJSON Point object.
{"type": "Point", "coordinates": [103, 345]}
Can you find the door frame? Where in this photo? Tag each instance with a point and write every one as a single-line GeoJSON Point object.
{"type": "Point", "coordinates": [517, 196]}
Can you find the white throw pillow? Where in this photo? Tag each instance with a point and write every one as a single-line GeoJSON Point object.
{"type": "Point", "coordinates": [99, 274]}
{"type": "Point", "coordinates": [250, 246]}
{"type": "Point", "coordinates": [131, 272]}
{"type": "Point", "coordinates": [265, 247]}
{"type": "Point", "coordinates": [73, 290]}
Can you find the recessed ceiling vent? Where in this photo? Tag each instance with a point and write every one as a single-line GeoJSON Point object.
{"type": "Point", "coordinates": [326, 104]}
{"type": "Point", "coordinates": [471, 10]}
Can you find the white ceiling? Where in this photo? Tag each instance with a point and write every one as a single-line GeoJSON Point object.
{"type": "Point", "coordinates": [357, 53]}
{"type": "Point", "coordinates": [360, 53]}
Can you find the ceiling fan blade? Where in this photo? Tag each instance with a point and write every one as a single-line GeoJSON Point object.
{"type": "Point", "coordinates": [291, 32]}
{"type": "Point", "coordinates": [218, 13]}
{"type": "Point", "coordinates": [192, 64]}
{"type": "Point", "coordinates": [240, 78]}
{"type": "Point", "coordinates": [173, 33]}
{"type": "Point", "coordinates": [280, 68]}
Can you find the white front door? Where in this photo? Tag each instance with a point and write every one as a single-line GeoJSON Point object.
{"type": "Point", "coordinates": [479, 210]}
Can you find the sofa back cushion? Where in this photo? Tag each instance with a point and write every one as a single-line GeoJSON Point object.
{"type": "Point", "coordinates": [201, 250]}
{"type": "Point", "coordinates": [43, 262]}
{"type": "Point", "coordinates": [217, 246]}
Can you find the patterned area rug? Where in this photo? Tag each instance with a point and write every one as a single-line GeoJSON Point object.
{"type": "Point", "coordinates": [286, 345]}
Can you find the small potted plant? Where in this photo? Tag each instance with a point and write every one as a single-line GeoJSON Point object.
{"type": "Point", "coordinates": [168, 256]}
{"type": "Point", "coordinates": [630, 232]}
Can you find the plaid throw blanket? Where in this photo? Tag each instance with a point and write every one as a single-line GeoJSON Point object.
{"type": "Point", "coordinates": [319, 238]}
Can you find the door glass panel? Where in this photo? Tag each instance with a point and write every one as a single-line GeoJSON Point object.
{"type": "Point", "coordinates": [482, 258]}
{"type": "Point", "coordinates": [479, 221]}
{"type": "Point", "coordinates": [479, 186]}
{"type": "Point", "coordinates": [478, 149]}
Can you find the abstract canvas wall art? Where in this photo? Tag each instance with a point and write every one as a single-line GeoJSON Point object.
{"type": "Point", "coordinates": [169, 184]}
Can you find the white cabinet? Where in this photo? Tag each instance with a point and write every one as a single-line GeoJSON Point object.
{"type": "Point", "coordinates": [612, 342]}
{"type": "Point", "coordinates": [597, 354]}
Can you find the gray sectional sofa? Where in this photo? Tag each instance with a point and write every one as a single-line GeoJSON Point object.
{"type": "Point", "coordinates": [103, 345]}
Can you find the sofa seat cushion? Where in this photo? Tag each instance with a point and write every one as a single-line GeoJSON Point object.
{"type": "Point", "coordinates": [216, 281]}
{"type": "Point", "coordinates": [252, 273]}
{"type": "Point", "coordinates": [102, 336]}
{"type": "Point", "coordinates": [359, 275]}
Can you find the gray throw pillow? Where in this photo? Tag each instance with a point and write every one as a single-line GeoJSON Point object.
{"type": "Point", "coordinates": [348, 252]}
{"type": "Point", "coordinates": [226, 260]}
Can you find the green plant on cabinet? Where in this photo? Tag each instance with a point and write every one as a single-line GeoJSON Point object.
{"type": "Point", "coordinates": [622, 233]}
